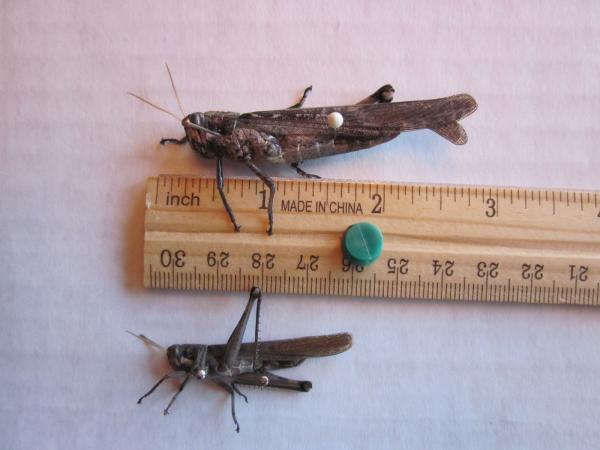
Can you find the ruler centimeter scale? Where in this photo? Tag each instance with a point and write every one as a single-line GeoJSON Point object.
{"type": "Point", "coordinates": [447, 242]}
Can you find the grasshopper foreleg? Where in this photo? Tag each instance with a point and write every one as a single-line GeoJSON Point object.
{"type": "Point", "coordinates": [237, 425]}
{"type": "Point", "coordinates": [238, 392]}
{"type": "Point", "coordinates": [181, 141]}
{"type": "Point", "coordinates": [159, 382]}
{"type": "Point", "coordinates": [187, 378]}
{"type": "Point", "coordinates": [232, 389]}
{"type": "Point", "coordinates": [220, 185]}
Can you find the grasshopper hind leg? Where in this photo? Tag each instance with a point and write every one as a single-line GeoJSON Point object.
{"type": "Point", "coordinates": [303, 173]}
{"type": "Point", "coordinates": [287, 383]}
{"type": "Point", "coordinates": [271, 185]}
{"type": "Point", "coordinates": [303, 99]}
{"type": "Point", "coordinates": [264, 378]}
{"type": "Point", "coordinates": [385, 94]}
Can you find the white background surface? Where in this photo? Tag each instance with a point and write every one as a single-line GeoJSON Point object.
{"type": "Point", "coordinates": [75, 153]}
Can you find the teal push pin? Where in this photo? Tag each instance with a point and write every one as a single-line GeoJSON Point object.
{"type": "Point", "coordinates": [363, 243]}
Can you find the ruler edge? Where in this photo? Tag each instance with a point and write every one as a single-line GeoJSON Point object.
{"type": "Point", "coordinates": [152, 183]}
{"type": "Point", "coordinates": [154, 179]}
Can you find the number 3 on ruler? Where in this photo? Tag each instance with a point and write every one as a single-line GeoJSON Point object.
{"type": "Point", "coordinates": [492, 210]}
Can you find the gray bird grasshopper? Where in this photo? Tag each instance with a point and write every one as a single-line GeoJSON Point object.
{"type": "Point", "coordinates": [249, 364]}
{"type": "Point", "coordinates": [298, 134]}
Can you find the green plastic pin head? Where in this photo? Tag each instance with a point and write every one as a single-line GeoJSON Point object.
{"type": "Point", "coordinates": [363, 243]}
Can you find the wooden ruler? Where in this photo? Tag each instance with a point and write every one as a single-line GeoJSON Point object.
{"type": "Point", "coordinates": [440, 242]}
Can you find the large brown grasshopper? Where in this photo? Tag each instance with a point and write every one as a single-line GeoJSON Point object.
{"type": "Point", "coordinates": [298, 134]}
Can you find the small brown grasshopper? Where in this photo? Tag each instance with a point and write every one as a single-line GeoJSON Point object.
{"type": "Point", "coordinates": [232, 364]}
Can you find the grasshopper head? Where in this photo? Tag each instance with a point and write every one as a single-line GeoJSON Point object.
{"type": "Point", "coordinates": [197, 130]}
{"type": "Point", "coordinates": [186, 357]}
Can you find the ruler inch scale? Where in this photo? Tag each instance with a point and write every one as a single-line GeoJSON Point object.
{"type": "Point", "coordinates": [441, 242]}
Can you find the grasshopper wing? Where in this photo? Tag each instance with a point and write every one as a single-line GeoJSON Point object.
{"type": "Point", "coordinates": [305, 347]}
{"type": "Point", "coordinates": [303, 133]}
{"type": "Point", "coordinates": [290, 352]}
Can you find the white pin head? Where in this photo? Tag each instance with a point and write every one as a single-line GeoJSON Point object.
{"type": "Point", "coordinates": [335, 120]}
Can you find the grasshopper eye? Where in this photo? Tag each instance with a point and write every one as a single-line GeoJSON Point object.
{"type": "Point", "coordinates": [196, 119]}
{"type": "Point", "coordinates": [193, 118]}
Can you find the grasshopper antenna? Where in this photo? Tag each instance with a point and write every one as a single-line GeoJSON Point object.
{"type": "Point", "coordinates": [175, 90]}
{"type": "Point", "coordinates": [146, 340]}
{"type": "Point", "coordinates": [154, 106]}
